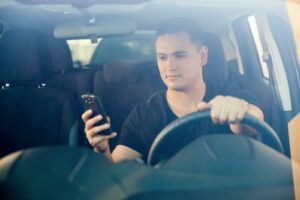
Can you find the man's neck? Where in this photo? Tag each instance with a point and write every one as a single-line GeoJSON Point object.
{"type": "Point", "coordinates": [184, 102]}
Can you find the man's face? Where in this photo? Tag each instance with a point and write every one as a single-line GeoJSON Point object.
{"type": "Point", "coordinates": [180, 61]}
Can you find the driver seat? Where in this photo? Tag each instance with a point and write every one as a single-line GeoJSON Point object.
{"type": "Point", "coordinates": [216, 70]}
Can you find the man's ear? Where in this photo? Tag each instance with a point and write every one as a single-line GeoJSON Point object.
{"type": "Point", "coordinates": [204, 54]}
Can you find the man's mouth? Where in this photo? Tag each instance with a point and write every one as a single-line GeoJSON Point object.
{"type": "Point", "coordinates": [172, 76]}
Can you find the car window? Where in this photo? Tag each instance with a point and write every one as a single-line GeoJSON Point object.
{"type": "Point", "coordinates": [282, 34]}
{"type": "Point", "coordinates": [82, 51]}
{"type": "Point", "coordinates": [280, 75]}
{"type": "Point", "coordinates": [139, 47]}
{"type": "Point", "coordinates": [247, 46]}
{"type": "Point", "coordinates": [258, 44]}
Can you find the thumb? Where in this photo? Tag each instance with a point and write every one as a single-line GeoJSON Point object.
{"type": "Point", "coordinates": [202, 106]}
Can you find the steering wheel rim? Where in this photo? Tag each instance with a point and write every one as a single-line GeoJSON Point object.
{"type": "Point", "coordinates": [262, 127]}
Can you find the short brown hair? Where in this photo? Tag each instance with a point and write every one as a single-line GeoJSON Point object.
{"type": "Point", "coordinates": [178, 25]}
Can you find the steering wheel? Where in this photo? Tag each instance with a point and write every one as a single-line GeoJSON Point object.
{"type": "Point", "coordinates": [265, 131]}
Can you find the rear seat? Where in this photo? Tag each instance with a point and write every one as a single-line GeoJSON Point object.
{"type": "Point", "coordinates": [122, 86]}
{"type": "Point", "coordinates": [31, 115]}
{"type": "Point", "coordinates": [64, 75]}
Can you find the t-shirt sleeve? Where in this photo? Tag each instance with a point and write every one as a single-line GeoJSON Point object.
{"type": "Point", "coordinates": [130, 133]}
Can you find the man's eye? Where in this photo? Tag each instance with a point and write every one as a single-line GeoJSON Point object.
{"type": "Point", "coordinates": [162, 57]}
{"type": "Point", "coordinates": [180, 55]}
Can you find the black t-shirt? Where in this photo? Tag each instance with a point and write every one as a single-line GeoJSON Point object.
{"type": "Point", "coordinates": [146, 121]}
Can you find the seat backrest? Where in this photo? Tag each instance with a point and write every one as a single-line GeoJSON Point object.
{"type": "Point", "coordinates": [21, 52]}
{"type": "Point", "coordinates": [60, 55]}
{"type": "Point", "coordinates": [268, 104]}
{"type": "Point", "coordinates": [64, 75]}
{"type": "Point", "coordinates": [122, 86]}
{"type": "Point", "coordinates": [31, 115]}
{"type": "Point", "coordinates": [72, 80]}
{"type": "Point", "coordinates": [216, 69]}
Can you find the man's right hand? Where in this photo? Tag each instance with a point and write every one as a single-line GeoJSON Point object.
{"type": "Point", "coordinates": [93, 133]}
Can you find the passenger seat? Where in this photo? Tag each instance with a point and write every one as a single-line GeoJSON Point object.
{"type": "Point", "coordinates": [63, 75]}
{"type": "Point", "coordinates": [31, 114]}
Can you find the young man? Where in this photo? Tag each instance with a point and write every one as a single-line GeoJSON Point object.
{"type": "Point", "coordinates": [181, 55]}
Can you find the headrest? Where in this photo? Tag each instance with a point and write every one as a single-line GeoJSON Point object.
{"type": "Point", "coordinates": [24, 57]}
{"type": "Point", "coordinates": [216, 70]}
{"type": "Point", "coordinates": [60, 55]}
{"type": "Point", "coordinates": [128, 73]}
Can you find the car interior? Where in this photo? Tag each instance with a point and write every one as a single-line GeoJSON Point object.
{"type": "Point", "coordinates": [44, 153]}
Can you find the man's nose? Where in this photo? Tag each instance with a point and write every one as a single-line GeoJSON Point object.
{"type": "Point", "coordinates": [170, 64]}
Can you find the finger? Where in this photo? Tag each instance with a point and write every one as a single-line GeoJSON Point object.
{"type": "Point", "coordinates": [86, 115]}
{"type": "Point", "coordinates": [202, 106]}
{"type": "Point", "coordinates": [215, 109]}
{"type": "Point", "coordinates": [224, 111]}
{"type": "Point", "coordinates": [232, 117]}
{"type": "Point", "coordinates": [242, 111]}
{"type": "Point", "coordinates": [225, 108]}
{"type": "Point", "coordinates": [90, 134]}
{"type": "Point", "coordinates": [238, 111]}
{"type": "Point", "coordinates": [91, 122]}
{"type": "Point", "coordinates": [97, 130]}
{"type": "Point", "coordinates": [97, 140]}
{"type": "Point", "coordinates": [234, 110]}
{"type": "Point", "coordinates": [108, 118]}
{"type": "Point", "coordinates": [233, 113]}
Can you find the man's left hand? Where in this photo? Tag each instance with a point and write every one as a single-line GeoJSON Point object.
{"type": "Point", "coordinates": [228, 109]}
{"type": "Point", "coordinates": [225, 109]}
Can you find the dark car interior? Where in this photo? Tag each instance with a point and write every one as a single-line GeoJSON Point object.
{"type": "Point", "coordinates": [45, 64]}
{"type": "Point", "coordinates": [44, 153]}
{"type": "Point", "coordinates": [120, 92]}
{"type": "Point", "coordinates": [25, 66]}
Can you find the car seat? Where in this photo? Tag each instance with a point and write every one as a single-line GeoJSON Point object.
{"type": "Point", "coordinates": [216, 70]}
{"type": "Point", "coordinates": [64, 75]}
{"type": "Point", "coordinates": [31, 114]}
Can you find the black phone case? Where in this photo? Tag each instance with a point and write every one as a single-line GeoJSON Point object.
{"type": "Point", "coordinates": [93, 102]}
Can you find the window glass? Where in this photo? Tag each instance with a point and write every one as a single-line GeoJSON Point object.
{"type": "Point", "coordinates": [139, 47]}
{"type": "Point", "coordinates": [82, 50]}
{"type": "Point", "coordinates": [257, 40]}
{"type": "Point", "coordinates": [247, 47]}
{"type": "Point", "coordinates": [287, 67]}
{"type": "Point", "coordinates": [280, 79]}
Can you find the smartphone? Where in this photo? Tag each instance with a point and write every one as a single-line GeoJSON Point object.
{"type": "Point", "coordinates": [91, 101]}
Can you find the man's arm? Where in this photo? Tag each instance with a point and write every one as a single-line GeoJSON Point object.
{"type": "Point", "coordinates": [100, 142]}
{"type": "Point", "coordinates": [122, 152]}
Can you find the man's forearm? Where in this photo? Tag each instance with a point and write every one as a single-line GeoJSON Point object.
{"type": "Point", "coordinates": [106, 153]}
